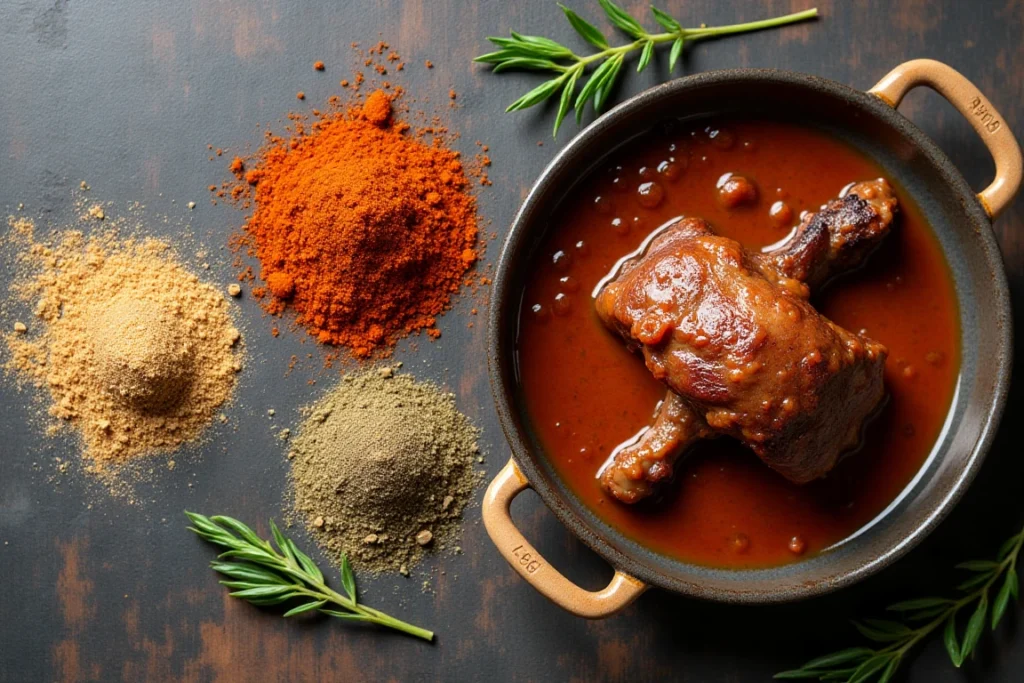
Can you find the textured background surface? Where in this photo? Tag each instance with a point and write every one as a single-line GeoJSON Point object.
{"type": "Point", "coordinates": [127, 95]}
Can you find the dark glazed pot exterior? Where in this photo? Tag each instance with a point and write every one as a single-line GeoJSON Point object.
{"type": "Point", "coordinates": [962, 223]}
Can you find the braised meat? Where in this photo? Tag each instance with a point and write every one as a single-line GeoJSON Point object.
{"type": "Point", "coordinates": [743, 352]}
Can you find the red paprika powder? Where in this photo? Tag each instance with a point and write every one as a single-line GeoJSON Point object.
{"type": "Point", "coordinates": [365, 231]}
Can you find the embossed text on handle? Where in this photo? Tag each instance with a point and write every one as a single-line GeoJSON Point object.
{"type": "Point", "coordinates": [988, 118]}
{"type": "Point", "coordinates": [527, 560]}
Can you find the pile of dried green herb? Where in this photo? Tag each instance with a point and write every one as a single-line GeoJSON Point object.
{"type": "Point", "coordinates": [382, 469]}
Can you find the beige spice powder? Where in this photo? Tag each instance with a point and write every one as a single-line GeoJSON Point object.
{"type": "Point", "coordinates": [136, 353]}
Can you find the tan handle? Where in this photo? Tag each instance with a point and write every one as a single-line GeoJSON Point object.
{"type": "Point", "coordinates": [976, 108]}
{"type": "Point", "coordinates": [525, 559]}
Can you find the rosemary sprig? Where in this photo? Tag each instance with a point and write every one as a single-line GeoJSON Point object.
{"type": "Point", "coordinates": [536, 53]}
{"type": "Point", "coordinates": [921, 617]}
{"type": "Point", "coordinates": [268, 576]}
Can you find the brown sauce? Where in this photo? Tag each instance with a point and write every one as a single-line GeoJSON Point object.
{"type": "Point", "coordinates": [585, 393]}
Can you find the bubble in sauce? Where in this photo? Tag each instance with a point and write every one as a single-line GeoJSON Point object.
{"type": "Point", "coordinates": [650, 194]}
{"type": "Point", "coordinates": [740, 543]}
{"type": "Point", "coordinates": [561, 260]}
{"type": "Point", "coordinates": [797, 545]}
{"type": "Point", "coordinates": [540, 313]}
{"type": "Point", "coordinates": [569, 283]}
{"type": "Point", "coordinates": [781, 214]}
{"type": "Point", "coordinates": [563, 305]}
{"type": "Point", "coordinates": [672, 168]}
{"type": "Point", "coordinates": [722, 139]}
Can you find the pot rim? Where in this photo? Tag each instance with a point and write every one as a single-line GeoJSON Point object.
{"type": "Point", "coordinates": [518, 238]}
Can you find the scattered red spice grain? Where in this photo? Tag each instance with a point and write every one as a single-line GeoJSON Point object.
{"type": "Point", "coordinates": [237, 167]}
{"type": "Point", "coordinates": [319, 66]}
{"type": "Point", "coordinates": [219, 151]}
{"type": "Point", "coordinates": [429, 64]}
{"type": "Point", "coordinates": [300, 95]}
{"type": "Point", "coordinates": [452, 94]}
{"type": "Point", "coordinates": [344, 83]}
{"type": "Point", "coordinates": [377, 108]}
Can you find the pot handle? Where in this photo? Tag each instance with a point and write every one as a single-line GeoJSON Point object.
{"type": "Point", "coordinates": [524, 558]}
{"type": "Point", "coordinates": [976, 108]}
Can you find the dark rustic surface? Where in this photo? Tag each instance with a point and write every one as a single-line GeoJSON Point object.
{"type": "Point", "coordinates": [127, 95]}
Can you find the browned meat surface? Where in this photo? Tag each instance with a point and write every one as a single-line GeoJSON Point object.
{"type": "Point", "coordinates": [639, 467]}
{"type": "Point", "coordinates": [839, 237]}
{"type": "Point", "coordinates": [744, 354]}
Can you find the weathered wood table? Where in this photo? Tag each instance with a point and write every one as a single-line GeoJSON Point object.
{"type": "Point", "coordinates": [127, 95]}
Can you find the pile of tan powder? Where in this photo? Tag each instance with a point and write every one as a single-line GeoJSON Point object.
{"type": "Point", "coordinates": [382, 469]}
{"type": "Point", "coordinates": [136, 352]}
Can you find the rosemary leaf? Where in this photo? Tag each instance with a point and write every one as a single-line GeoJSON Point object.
{"type": "Point", "coordinates": [877, 634]}
{"type": "Point", "coordinates": [868, 668]}
{"type": "Point", "coordinates": [537, 95]}
{"type": "Point", "coordinates": [645, 56]}
{"type": "Point", "coordinates": [566, 100]}
{"type": "Point", "coordinates": [949, 639]}
{"type": "Point", "coordinates": [927, 613]}
{"type": "Point", "coordinates": [674, 54]}
{"type": "Point", "coordinates": [974, 581]}
{"type": "Point", "coordinates": [527, 64]}
{"type": "Point", "coordinates": [890, 670]}
{"type": "Point", "coordinates": [666, 21]}
{"type": "Point", "coordinates": [588, 31]}
{"type": "Point", "coordinates": [604, 88]}
{"type": "Point", "coordinates": [798, 675]}
{"type": "Point", "coordinates": [1002, 600]}
{"type": "Point", "coordinates": [978, 565]}
{"type": "Point", "coordinates": [499, 56]}
{"type": "Point", "coordinates": [542, 45]}
{"type": "Point", "coordinates": [974, 628]}
{"type": "Point", "coordinates": [306, 562]}
{"type": "Point", "coordinates": [306, 607]}
{"type": "Point", "coordinates": [590, 89]}
{"type": "Point", "coordinates": [345, 615]}
{"type": "Point", "coordinates": [282, 544]}
{"type": "Point", "coordinates": [621, 19]}
{"type": "Point", "coordinates": [348, 579]}
{"type": "Point", "coordinates": [920, 603]}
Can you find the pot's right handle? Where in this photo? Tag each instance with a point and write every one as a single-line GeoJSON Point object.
{"type": "Point", "coordinates": [976, 108]}
{"type": "Point", "coordinates": [524, 558]}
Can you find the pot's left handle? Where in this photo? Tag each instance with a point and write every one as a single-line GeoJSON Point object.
{"type": "Point", "coordinates": [525, 559]}
{"type": "Point", "coordinates": [974, 107]}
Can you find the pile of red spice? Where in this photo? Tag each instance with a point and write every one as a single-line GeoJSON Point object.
{"type": "Point", "coordinates": [364, 230]}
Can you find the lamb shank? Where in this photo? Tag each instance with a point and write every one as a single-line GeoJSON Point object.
{"type": "Point", "coordinates": [743, 353]}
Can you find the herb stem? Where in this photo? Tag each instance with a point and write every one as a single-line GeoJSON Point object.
{"type": "Point", "coordinates": [1009, 563]}
{"type": "Point", "coordinates": [898, 638]}
{"type": "Point", "coordinates": [537, 53]}
{"type": "Point", "coordinates": [265, 575]}
{"type": "Point", "coordinates": [693, 33]}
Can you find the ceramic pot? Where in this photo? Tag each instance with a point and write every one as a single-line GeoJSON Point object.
{"type": "Point", "coordinates": [962, 222]}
